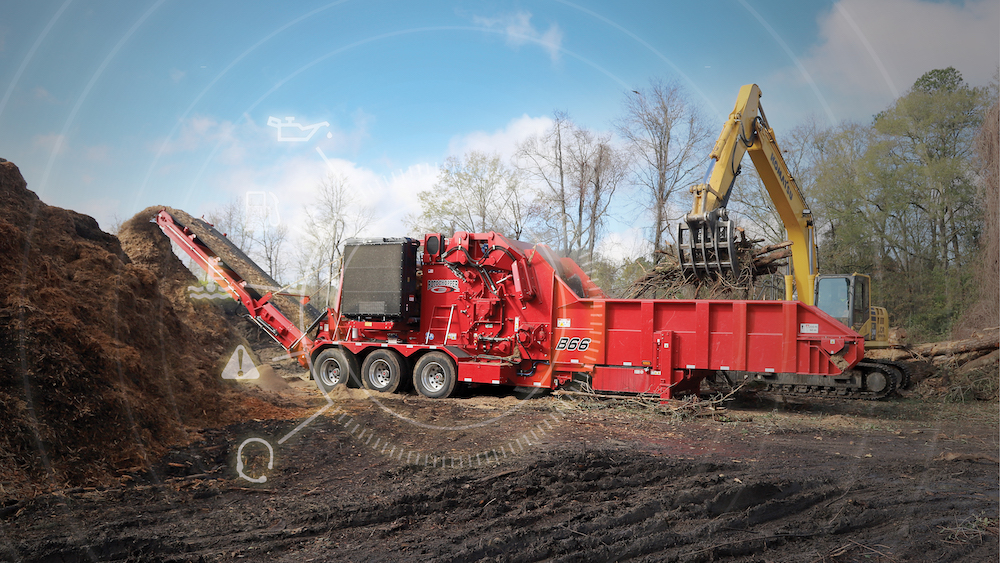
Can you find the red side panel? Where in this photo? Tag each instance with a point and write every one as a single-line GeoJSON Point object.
{"type": "Point", "coordinates": [645, 345]}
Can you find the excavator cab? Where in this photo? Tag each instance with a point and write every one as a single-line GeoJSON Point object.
{"type": "Point", "coordinates": [847, 298]}
{"type": "Point", "coordinates": [843, 297]}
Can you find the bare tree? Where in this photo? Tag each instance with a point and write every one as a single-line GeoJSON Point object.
{"type": "Point", "coordinates": [596, 168]}
{"type": "Point", "coordinates": [543, 158]}
{"type": "Point", "coordinates": [475, 193]}
{"type": "Point", "coordinates": [251, 229]}
{"type": "Point", "coordinates": [801, 149]}
{"type": "Point", "coordinates": [269, 240]}
{"type": "Point", "coordinates": [231, 219]}
{"type": "Point", "coordinates": [331, 217]}
{"type": "Point", "coordinates": [576, 173]}
{"type": "Point", "coordinates": [667, 138]}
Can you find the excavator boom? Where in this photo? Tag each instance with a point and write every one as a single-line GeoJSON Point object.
{"type": "Point", "coordinates": [706, 238]}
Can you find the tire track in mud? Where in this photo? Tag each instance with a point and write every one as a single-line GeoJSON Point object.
{"type": "Point", "coordinates": [336, 499]}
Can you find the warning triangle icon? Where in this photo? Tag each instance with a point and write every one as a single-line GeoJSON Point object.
{"type": "Point", "coordinates": [240, 366]}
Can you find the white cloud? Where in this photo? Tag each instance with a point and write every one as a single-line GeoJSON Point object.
{"type": "Point", "coordinates": [50, 142]}
{"type": "Point", "coordinates": [294, 182]}
{"type": "Point", "coordinates": [626, 245]}
{"type": "Point", "coordinates": [503, 141]}
{"type": "Point", "coordinates": [868, 53]}
{"type": "Point", "coordinates": [249, 159]}
{"type": "Point", "coordinates": [519, 31]}
{"type": "Point", "coordinates": [389, 200]}
{"type": "Point", "coordinates": [398, 199]}
{"type": "Point", "coordinates": [176, 75]}
{"type": "Point", "coordinates": [43, 95]}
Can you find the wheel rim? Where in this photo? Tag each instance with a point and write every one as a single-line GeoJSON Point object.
{"type": "Point", "coordinates": [330, 373]}
{"type": "Point", "coordinates": [432, 377]}
{"type": "Point", "coordinates": [380, 374]}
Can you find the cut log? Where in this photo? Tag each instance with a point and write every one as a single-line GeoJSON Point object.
{"type": "Point", "coordinates": [773, 247]}
{"type": "Point", "coordinates": [949, 347]}
{"type": "Point", "coordinates": [979, 363]}
{"type": "Point", "coordinates": [959, 359]}
{"type": "Point", "coordinates": [761, 261]}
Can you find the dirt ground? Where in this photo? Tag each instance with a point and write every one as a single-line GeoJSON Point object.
{"type": "Point", "coordinates": [488, 477]}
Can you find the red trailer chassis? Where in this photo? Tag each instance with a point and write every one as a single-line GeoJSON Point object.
{"type": "Point", "coordinates": [508, 313]}
{"type": "Point", "coordinates": [481, 309]}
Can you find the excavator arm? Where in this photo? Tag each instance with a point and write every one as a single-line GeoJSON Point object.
{"type": "Point", "coordinates": [705, 238]}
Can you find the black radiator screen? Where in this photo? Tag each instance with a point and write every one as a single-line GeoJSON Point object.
{"type": "Point", "coordinates": [378, 279]}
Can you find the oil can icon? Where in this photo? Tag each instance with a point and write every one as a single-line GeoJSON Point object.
{"type": "Point", "coordinates": [291, 132]}
{"type": "Point", "coordinates": [240, 366]}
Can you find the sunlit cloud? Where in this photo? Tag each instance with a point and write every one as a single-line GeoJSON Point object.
{"type": "Point", "coordinates": [519, 31]}
{"type": "Point", "coordinates": [502, 141]}
{"type": "Point", "coordinates": [869, 53]}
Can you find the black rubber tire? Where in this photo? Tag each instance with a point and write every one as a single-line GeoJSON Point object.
{"type": "Point", "coordinates": [434, 376]}
{"type": "Point", "coordinates": [383, 370]}
{"type": "Point", "coordinates": [334, 367]}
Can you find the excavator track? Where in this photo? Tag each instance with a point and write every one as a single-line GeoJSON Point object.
{"type": "Point", "coordinates": [906, 378]}
{"type": "Point", "coordinates": [884, 378]}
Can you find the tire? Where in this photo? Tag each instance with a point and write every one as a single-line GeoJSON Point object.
{"type": "Point", "coordinates": [434, 376]}
{"type": "Point", "coordinates": [334, 367]}
{"type": "Point", "coordinates": [383, 371]}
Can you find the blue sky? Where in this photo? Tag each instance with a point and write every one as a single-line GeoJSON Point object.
{"type": "Point", "coordinates": [109, 107]}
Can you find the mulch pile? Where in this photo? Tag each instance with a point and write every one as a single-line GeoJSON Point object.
{"type": "Point", "coordinates": [104, 361]}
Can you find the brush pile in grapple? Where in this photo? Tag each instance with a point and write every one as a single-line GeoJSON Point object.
{"type": "Point", "coordinates": [758, 264]}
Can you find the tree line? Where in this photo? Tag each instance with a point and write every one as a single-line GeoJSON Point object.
{"type": "Point", "coordinates": [898, 197]}
{"type": "Point", "coordinates": [559, 186]}
{"type": "Point", "coordinates": [901, 198]}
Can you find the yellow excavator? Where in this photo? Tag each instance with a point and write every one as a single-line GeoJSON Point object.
{"type": "Point", "coordinates": [706, 238]}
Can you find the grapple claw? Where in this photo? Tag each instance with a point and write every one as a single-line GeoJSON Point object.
{"type": "Point", "coordinates": [706, 246]}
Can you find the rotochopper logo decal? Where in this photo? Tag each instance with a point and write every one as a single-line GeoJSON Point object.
{"type": "Point", "coordinates": [442, 286]}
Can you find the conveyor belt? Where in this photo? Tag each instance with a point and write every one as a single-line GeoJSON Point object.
{"type": "Point", "coordinates": [257, 279]}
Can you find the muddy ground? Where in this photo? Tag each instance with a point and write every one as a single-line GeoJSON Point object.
{"type": "Point", "coordinates": [493, 478]}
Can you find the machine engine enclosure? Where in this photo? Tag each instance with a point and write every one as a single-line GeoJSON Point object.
{"type": "Point", "coordinates": [379, 279]}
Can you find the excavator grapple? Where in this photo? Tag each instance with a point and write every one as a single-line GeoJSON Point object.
{"type": "Point", "coordinates": [706, 245]}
